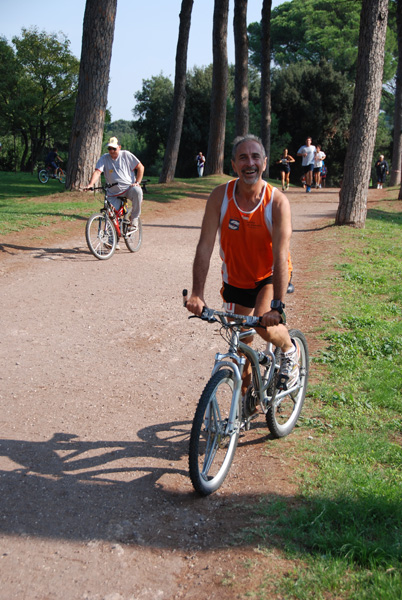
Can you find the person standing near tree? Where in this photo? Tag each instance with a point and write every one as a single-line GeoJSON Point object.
{"type": "Point", "coordinates": [307, 153]}
{"type": "Point", "coordinates": [200, 160]}
{"type": "Point", "coordinates": [382, 169]}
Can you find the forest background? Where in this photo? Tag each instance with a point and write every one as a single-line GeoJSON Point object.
{"type": "Point", "coordinates": [314, 55]}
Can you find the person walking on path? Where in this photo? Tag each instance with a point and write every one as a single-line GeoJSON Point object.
{"type": "Point", "coordinates": [319, 157]}
{"type": "Point", "coordinates": [284, 168]}
{"type": "Point", "coordinates": [307, 153]}
{"type": "Point", "coordinates": [382, 169]}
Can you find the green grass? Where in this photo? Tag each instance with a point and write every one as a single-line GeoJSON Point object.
{"type": "Point", "coordinates": [27, 203]}
{"type": "Point", "coordinates": [345, 533]}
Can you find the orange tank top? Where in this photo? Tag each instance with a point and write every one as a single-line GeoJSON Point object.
{"type": "Point", "coordinates": [245, 239]}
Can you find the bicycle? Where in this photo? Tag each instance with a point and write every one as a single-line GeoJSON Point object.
{"type": "Point", "coordinates": [222, 413]}
{"type": "Point", "coordinates": [104, 229]}
{"type": "Point", "coordinates": [47, 173]}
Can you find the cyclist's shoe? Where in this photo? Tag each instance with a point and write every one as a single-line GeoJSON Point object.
{"type": "Point", "coordinates": [289, 369]}
{"type": "Point", "coordinates": [133, 225]}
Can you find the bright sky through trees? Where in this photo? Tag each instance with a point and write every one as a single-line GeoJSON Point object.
{"type": "Point", "coordinates": [145, 37]}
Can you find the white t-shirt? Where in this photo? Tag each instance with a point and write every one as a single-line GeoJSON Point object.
{"type": "Point", "coordinates": [309, 159]}
{"type": "Point", "coordinates": [319, 157]}
{"type": "Point", "coordinates": [119, 170]}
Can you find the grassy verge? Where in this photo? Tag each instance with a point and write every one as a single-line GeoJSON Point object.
{"type": "Point", "coordinates": [27, 203]}
{"type": "Point", "coordinates": [346, 531]}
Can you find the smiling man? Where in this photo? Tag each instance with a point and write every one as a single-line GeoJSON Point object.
{"type": "Point", "coordinates": [254, 224]}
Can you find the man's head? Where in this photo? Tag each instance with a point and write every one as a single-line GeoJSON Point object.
{"type": "Point", "coordinates": [308, 141]}
{"type": "Point", "coordinates": [113, 147]}
{"type": "Point", "coordinates": [381, 157]}
{"type": "Point", "coordinates": [249, 158]}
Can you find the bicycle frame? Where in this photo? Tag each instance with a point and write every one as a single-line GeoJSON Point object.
{"type": "Point", "coordinates": [233, 361]}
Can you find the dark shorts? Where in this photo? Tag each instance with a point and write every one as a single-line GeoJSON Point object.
{"type": "Point", "coordinates": [245, 297]}
{"type": "Point", "coordinates": [285, 168]}
{"type": "Point", "coordinates": [317, 169]}
{"type": "Point", "coordinates": [308, 168]}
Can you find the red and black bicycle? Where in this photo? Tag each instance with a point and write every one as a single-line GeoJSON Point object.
{"type": "Point", "coordinates": [104, 229]}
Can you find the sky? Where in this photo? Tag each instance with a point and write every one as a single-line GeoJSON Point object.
{"type": "Point", "coordinates": [145, 37]}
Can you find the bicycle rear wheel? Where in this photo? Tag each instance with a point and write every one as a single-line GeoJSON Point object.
{"type": "Point", "coordinates": [212, 448]}
{"type": "Point", "coordinates": [43, 176]}
{"type": "Point", "coordinates": [133, 239]}
{"type": "Point", "coordinates": [284, 410]}
{"type": "Point", "coordinates": [101, 236]}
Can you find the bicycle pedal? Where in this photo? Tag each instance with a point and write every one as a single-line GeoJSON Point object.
{"type": "Point", "coordinates": [282, 383]}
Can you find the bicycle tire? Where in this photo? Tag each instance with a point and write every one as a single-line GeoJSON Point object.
{"type": "Point", "coordinates": [43, 176]}
{"type": "Point", "coordinates": [101, 236]}
{"type": "Point", "coordinates": [282, 415]}
{"type": "Point", "coordinates": [211, 452]}
{"type": "Point", "coordinates": [61, 176]}
{"type": "Point", "coordinates": [134, 239]}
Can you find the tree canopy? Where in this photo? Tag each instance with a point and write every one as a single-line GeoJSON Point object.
{"type": "Point", "coordinates": [39, 77]}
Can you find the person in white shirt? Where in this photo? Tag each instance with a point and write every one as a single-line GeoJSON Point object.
{"type": "Point", "coordinates": [307, 153]}
{"type": "Point", "coordinates": [318, 158]}
{"type": "Point", "coordinates": [126, 171]}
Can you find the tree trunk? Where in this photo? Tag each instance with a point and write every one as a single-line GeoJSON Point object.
{"type": "Point", "coordinates": [265, 92]}
{"type": "Point", "coordinates": [87, 130]}
{"type": "Point", "coordinates": [395, 178]}
{"type": "Point", "coordinates": [352, 207]}
{"type": "Point", "coordinates": [179, 97]}
{"type": "Point", "coordinates": [241, 67]}
{"type": "Point", "coordinates": [217, 121]}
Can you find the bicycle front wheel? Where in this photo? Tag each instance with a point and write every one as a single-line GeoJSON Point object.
{"type": "Point", "coordinates": [101, 236]}
{"type": "Point", "coordinates": [284, 410]}
{"type": "Point", "coordinates": [43, 176]}
{"type": "Point", "coordinates": [213, 440]}
{"type": "Point", "coordinates": [133, 239]}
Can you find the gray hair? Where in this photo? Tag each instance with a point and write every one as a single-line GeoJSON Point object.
{"type": "Point", "coordinates": [245, 138]}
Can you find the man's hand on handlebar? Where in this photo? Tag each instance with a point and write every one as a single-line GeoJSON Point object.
{"type": "Point", "coordinates": [271, 318]}
{"type": "Point", "coordinates": [195, 304]}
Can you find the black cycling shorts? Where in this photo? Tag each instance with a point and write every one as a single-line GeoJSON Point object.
{"type": "Point", "coordinates": [245, 297]}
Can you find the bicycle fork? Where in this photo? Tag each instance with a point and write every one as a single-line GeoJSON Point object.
{"type": "Point", "coordinates": [236, 366]}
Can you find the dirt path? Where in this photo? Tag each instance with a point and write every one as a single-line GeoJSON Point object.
{"type": "Point", "coordinates": [100, 374]}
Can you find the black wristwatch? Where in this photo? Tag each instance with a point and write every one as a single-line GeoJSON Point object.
{"type": "Point", "coordinates": [277, 305]}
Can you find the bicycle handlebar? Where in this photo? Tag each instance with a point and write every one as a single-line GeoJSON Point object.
{"type": "Point", "coordinates": [227, 319]}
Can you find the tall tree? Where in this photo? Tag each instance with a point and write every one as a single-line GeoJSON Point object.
{"type": "Point", "coordinates": [217, 123]}
{"type": "Point", "coordinates": [90, 109]}
{"type": "Point", "coordinates": [37, 90]}
{"type": "Point", "coordinates": [241, 67]}
{"type": "Point", "coordinates": [179, 97]}
{"type": "Point", "coordinates": [352, 207]}
{"type": "Point", "coordinates": [266, 77]}
{"type": "Point", "coordinates": [395, 178]}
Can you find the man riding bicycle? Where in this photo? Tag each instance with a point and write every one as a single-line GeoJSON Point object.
{"type": "Point", "coordinates": [254, 224]}
{"type": "Point", "coordinates": [119, 168]}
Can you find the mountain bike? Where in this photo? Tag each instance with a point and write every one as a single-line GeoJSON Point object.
{"type": "Point", "coordinates": [47, 173]}
{"type": "Point", "coordinates": [104, 229]}
{"type": "Point", "coordinates": [222, 413]}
